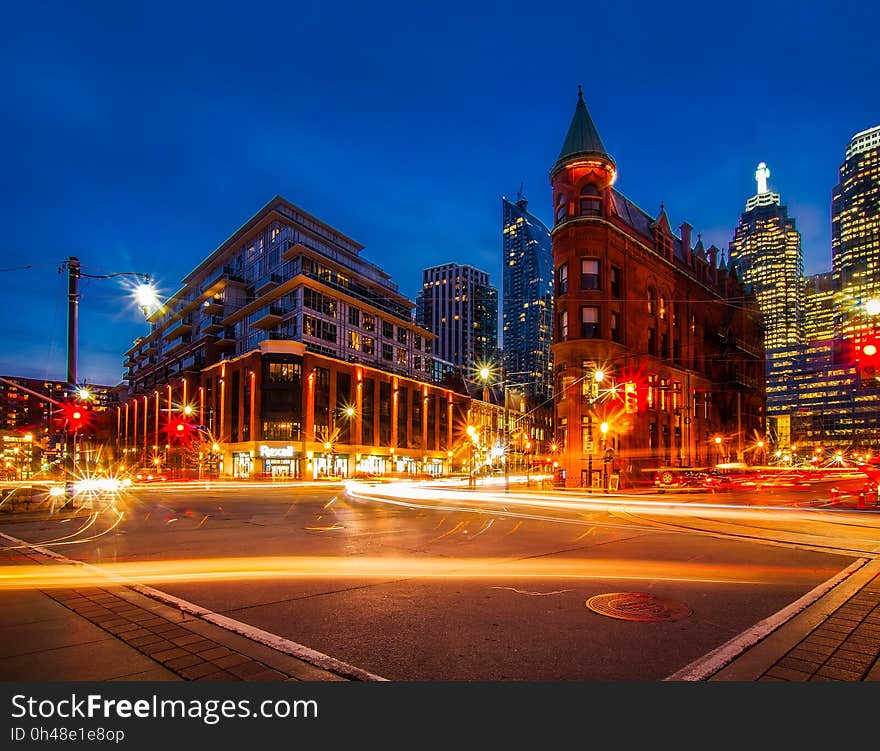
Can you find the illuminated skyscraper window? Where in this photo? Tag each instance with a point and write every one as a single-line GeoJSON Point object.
{"type": "Point", "coordinates": [527, 297]}
{"type": "Point", "coordinates": [458, 304]}
{"type": "Point", "coordinates": [766, 250]}
{"type": "Point", "coordinates": [855, 234]}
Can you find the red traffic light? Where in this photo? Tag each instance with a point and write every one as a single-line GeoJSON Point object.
{"type": "Point", "coordinates": [75, 417]}
{"type": "Point", "coordinates": [869, 360]}
{"type": "Point", "coordinates": [179, 430]}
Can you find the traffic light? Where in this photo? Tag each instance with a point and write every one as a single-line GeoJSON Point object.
{"type": "Point", "coordinates": [75, 416]}
{"type": "Point", "coordinates": [630, 397]}
{"type": "Point", "coordinates": [179, 430]}
{"type": "Point", "coordinates": [869, 360]}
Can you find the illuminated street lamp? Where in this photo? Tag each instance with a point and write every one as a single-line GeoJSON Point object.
{"type": "Point", "coordinates": [718, 442]}
{"type": "Point", "coordinates": [144, 293]}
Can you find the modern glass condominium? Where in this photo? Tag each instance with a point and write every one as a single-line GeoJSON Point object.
{"type": "Point", "coordinates": [527, 292]}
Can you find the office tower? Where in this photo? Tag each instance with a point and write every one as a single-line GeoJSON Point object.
{"type": "Point", "coordinates": [527, 291]}
{"type": "Point", "coordinates": [657, 351]}
{"type": "Point", "coordinates": [855, 235]}
{"type": "Point", "coordinates": [766, 249]}
{"type": "Point", "coordinates": [459, 306]}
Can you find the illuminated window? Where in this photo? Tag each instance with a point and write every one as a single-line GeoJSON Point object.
{"type": "Point", "coordinates": [563, 326]}
{"type": "Point", "coordinates": [589, 273]}
{"type": "Point", "coordinates": [589, 322]}
{"type": "Point", "coordinates": [368, 345]}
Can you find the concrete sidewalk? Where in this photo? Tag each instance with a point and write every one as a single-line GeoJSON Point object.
{"type": "Point", "coordinates": [837, 638]}
{"type": "Point", "coordinates": [113, 633]}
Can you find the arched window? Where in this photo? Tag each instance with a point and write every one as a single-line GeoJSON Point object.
{"type": "Point", "coordinates": [591, 201]}
{"type": "Point", "coordinates": [652, 301]}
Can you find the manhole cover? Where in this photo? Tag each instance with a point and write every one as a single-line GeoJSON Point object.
{"type": "Point", "coordinates": [638, 606]}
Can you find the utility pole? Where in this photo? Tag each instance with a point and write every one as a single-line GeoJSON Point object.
{"type": "Point", "coordinates": [73, 273]}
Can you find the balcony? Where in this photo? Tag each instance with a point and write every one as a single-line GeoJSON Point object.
{"type": "Point", "coordinates": [267, 283]}
{"type": "Point", "coordinates": [181, 345]}
{"type": "Point", "coordinates": [213, 306]}
{"type": "Point", "coordinates": [267, 317]}
{"type": "Point", "coordinates": [219, 279]}
{"type": "Point", "coordinates": [150, 348]}
{"type": "Point", "coordinates": [290, 250]}
{"type": "Point", "coordinates": [178, 329]}
{"type": "Point", "coordinates": [212, 325]}
{"type": "Point", "coordinates": [226, 339]}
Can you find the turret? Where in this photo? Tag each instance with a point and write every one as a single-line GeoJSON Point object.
{"type": "Point", "coordinates": [583, 172]}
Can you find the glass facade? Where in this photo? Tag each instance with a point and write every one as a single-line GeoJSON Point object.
{"type": "Point", "coordinates": [855, 234]}
{"type": "Point", "coordinates": [527, 308]}
{"type": "Point", "coordinates": [284, 275]}
{"type": "Point", "coordinates": [460, 306]}
{"type": "Point", "coordinates": [766, 249]}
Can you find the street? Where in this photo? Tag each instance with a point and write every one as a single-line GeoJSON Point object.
{"type": "Point", "coordinates": [445, 584]}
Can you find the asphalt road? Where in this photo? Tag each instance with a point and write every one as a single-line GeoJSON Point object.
{"type": "Point", "coordinates": [444, 589]}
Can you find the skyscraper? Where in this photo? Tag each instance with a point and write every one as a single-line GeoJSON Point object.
{"type": "Point", "coordinates": [766, 248]}
{"type": "Point", "coordinates": [527, 298]}
{"type": "Point", "coordinates": [458, 304]}
{"type": "Point", "coordinates": [836, 407]}
{"type": "Point", "coordinates": [855, 234]}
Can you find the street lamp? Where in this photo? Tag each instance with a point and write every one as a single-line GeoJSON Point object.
{"type": "Point", "coordinates": [145, 294]}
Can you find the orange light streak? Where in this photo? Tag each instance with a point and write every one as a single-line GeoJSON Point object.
{"type": "Point", "coordinates": [257, 568]}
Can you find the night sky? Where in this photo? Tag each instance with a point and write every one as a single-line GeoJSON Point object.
{"type": "Point", "coordinates": [138, 137]}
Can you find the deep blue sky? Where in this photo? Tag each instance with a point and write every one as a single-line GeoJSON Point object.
{"type": "Point", "coordinates": [139, 136]}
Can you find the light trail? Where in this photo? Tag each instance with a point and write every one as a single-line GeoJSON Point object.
{"type": "Point", "coordinates": [335, 568]}
{"type": "Point", "coordinates": [424, 496]}
{"type": "Point", "coordinates": [65, 541]}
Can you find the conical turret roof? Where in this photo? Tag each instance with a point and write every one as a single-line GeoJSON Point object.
{"type": "Point", "coordinates": [582, 138]}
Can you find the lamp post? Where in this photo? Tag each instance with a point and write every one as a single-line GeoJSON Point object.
{"type": "Point", "coordinates": [144, 293]}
